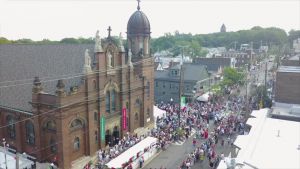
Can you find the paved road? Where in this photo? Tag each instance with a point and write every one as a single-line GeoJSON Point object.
{"type": "Point", "coordinates": [175, 154]}
{"type": "Point", "coordinates": [172, 157]}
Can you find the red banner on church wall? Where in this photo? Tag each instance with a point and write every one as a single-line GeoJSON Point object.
{"type": "Point", "coordinates": [124, 119]}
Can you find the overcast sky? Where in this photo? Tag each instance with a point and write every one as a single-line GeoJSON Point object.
{"type": "Point", "coordinates": [57, 19]}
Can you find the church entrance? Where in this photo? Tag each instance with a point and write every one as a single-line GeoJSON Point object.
{"type": "Point", "coordinates": [116, 135]}
{"type": "Point", "coordinates": [108, 138]}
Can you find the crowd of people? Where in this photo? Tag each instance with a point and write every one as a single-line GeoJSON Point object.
{"type": "Point", "coordinates": [228, 121]}
{"type": "Point", "coordinates": [178, 124]}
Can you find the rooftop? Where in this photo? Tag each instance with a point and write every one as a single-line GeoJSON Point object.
{"type": "Point", "coordinates": [289, 69]}
{"type": "Point", "coordinates": [271, 143]}
{"type": "Point", "coordinates": [19, 64]}
{"type": "Point", "coordinates": [295, 57]}
{"type": "Point", "coordinates": [286, 111]}
{"type": "Point", "coordinates": [192, 72]}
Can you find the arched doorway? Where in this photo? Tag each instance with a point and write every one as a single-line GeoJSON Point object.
{"type": "Point", "coordinates": [108, 138]}
{"type": "Point", "coordinates": [116, 135]}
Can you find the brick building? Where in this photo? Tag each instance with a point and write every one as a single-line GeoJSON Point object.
{"type": "Point", "coordinates": [287, 87]}
{"type": "Point", "coordinates": [83, 97]}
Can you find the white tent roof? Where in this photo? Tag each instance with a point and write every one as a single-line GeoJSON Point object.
{"type": "Point", "coordinates": [271, 143]}
{"type": "Point", "coordinates": [158, 112]}
{"type": "Point", "coordinates": [11, 161]}
{"type": "Point", "coordinates": [124, 157]}
{"type": "Point", "coordinates": [204, 97]}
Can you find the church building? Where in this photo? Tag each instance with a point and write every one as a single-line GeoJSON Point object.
{"type": "Point", "coordinates": [63, 102]}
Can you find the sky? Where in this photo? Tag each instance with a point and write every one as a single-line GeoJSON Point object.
{"type": "Point", "coordinates": [57, 19]}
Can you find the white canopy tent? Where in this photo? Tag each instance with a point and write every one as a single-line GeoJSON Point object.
{"type": "Point", "coordinates": [11, 160]}
{"type": "Point", "coordinates": [158, 112]}
{"type": "Point", "coordinates": [125, 156]}
{"type": "Point", "coordinates": [204, 97]}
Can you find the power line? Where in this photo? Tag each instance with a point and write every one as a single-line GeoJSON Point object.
{"type": "Point", "coordinates": [34, 116]}
{"type": "Point", "coordinates": [79, 75]}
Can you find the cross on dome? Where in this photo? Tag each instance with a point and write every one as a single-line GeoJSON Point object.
{"type": "Point", "coordinates": [138, 7]}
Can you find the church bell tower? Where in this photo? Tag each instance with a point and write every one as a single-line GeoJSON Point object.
{"type": "Point", "coordinates": [138, 34]}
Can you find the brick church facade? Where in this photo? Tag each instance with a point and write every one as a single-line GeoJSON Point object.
{"type": "Point", "coordinates": [76, 115]}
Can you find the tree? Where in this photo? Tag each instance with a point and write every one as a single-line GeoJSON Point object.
{"type": "Point", "coordinates": [262, 97]}
{"type": "Point", "coordinates": [24, 41]}
{"type": "Point", "coordinates": [293, 34]}
{"type": "Point", "coordinates": [257, 34]}
{"type": "Point", "coordinates": [4, 40]}
{"type": "Point", "coordinates": [70, 41]}
{"type": "Point", "coordinates": [231, 77]}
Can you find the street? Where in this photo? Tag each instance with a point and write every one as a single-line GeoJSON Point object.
{"type": "Point", "coordinates": [174, 155]}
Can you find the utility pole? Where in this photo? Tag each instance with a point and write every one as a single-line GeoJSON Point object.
{"type": "Point", "coordinates": [251, 59]}
{"type": "Point", "coordinates": [266, 70]}
{"type": "Point", "coordinates": [260, 44]}
{"type": "Point", "coordinates": [247, 100]}
{"type": "Point", "coordinates": [235, 45]}
{"type": "Point", "coordinates": [180, 80]}
{"type": "Point", "coordinates": [180, 83]}
{"type": "Point", "coordinates": [17, 160]}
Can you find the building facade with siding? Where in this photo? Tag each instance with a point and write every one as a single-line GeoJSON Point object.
{"type": "Point", "coordinates": [167, 82]}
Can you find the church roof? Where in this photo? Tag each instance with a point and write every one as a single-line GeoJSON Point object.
{"type": "Point", "coordinates": [138, 23]}
{"type": "Point", "coordinates": [48, 62]}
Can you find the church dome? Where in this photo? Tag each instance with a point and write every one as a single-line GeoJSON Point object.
{"type": "Point", "coordinates": [138, 24]}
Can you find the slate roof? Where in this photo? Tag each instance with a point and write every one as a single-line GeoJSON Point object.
{"type": "Point", "coordinates": [213, 64]}
{"type": "Point", "coordinates": [19, 62]}
{"type": "Point", "coordinates": [192, 72]}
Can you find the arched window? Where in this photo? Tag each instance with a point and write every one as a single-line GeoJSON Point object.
{"type": "Point", "coordinates": [30, 136]}
{"type": "Point", "coordinates": [11, 130]}
{"type": "Point", "coordinates": [76, 143]}
{"type": "Point", "coordinates": [76, 124]}
{"type": "Point", "coordinates": [113, 100]}
{"type": "Point", "coordinates": [51, 125]}
{"type": "Point", "coordinates": [107, 102]}
{"type": "Point", "coordinates": [52, 144]}
{"type": "Point", "coordinates": [136, 117]}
